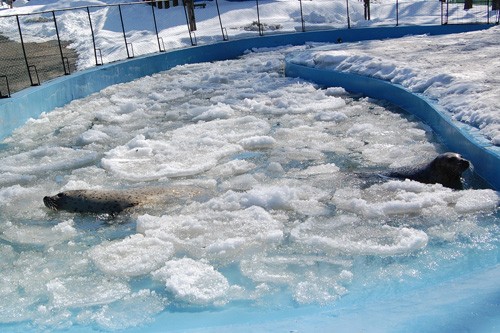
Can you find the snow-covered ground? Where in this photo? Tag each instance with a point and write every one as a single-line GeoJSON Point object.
{"type": "Point", "coordinates": [291, 217]}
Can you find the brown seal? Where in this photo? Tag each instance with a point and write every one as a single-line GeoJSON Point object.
{"type": "Point", "coordinates": [446, 169]}
{"type": "Point", "coordinates": [113, 201]}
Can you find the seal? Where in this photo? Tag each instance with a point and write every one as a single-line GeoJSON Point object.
{"type": "Point", "coordinates": [113, 201]}
{"type": "Point", "coordinates": [446, 169]}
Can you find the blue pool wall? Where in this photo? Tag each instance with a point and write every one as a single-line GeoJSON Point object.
{"type": "Point", "coordinates": [33, 101]}
{"type": "Point", "coordinates": [458, 137]}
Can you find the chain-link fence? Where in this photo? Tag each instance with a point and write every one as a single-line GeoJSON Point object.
{"type": "Point", "coordinates": [37, 47]}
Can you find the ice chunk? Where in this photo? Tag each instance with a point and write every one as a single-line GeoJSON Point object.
{"type": "Point", "coordinates": [208, 142]}
{"type": "Point", "coordinates": [39, 235]}
{"type": "Point", "coordinates": [477, 200]}
{"type": "Point", "coordinates": [92, 136]}
{"type": "Point", "coordinates": [346, 234]}
{"type": "Point", "coordinates": [223, 235]}
{"type": "Point", "coordinates": [81, 291]}
{"type": "Point", "coordinates": [257, 142]}
{"type": "Point", "coordinates": [411, 197]}
{"type": "Point", "coordinates": [132, 256]}
{"type": "Point", "coordinates": [133, 310]}
{"type": "Point", "coordinates": [240, 183]}
{"type": "Point", "coordinates": [46, 159]}
{"type": "Point", "coordinates": [193, 282]}
{"type": "Point", "coordinates": [335, 116]}
{"type": "Point", "coordinates": [321, 279]}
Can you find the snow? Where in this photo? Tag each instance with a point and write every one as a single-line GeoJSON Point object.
{"type": "Point", "coordinates": [294, 212]}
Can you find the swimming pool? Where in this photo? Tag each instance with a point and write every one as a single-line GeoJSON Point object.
{"type": "Point", "coordinates": [281, 243]}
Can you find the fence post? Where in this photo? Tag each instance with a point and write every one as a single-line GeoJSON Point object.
{"type": "Point", "coordinates": [442, 19]}
{"type": "Point", "coordinates": [123, 30]}
{"type": "Point", "coordinates": [488, 11]}
{"type": "Point", "coordinates": [156, 29]}
{"type": "Point", "coordinates": [447, 11]}
{"type": "Point", "coordinates": [302, 17]}
{"type": "Point", "coordinates": [397, 13]}
{"type": "Point", "coordinates": [24, 50]}
{"type": "Point", "coordinates": [93, 38]}
{"type": "Point", "coordinates": [189, 6]}
{"type": "Point", "coordinates": [348, 17]}
{"type": "Point", "coordinates": [66, 72]}
{"type": "Point", "coordinates": [366, 5]}
{"type": "Point", "coordinates": [496, 6]}
{"type": "Point", "coordinates": [224, 37]}
{"type": "Point", "coordinates": [187, 23]}
{"type": "Point", "coordinates": [7, 85]}
{"type": "Point", "coordinates": [261, 30]}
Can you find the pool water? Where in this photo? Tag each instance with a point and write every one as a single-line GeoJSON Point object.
{"type": "Point", "coordinates": [294, 218]}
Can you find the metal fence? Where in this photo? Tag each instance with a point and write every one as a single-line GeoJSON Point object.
{"type": "Point", "coordinates": [40, 46]}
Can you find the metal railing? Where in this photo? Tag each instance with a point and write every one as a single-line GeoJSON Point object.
{"type": "Point", "coordinates": [38, 47]}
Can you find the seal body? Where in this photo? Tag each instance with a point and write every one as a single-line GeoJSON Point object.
{"type": "Point", "coordinates": [112, 201]}
{"type": "Point", "coordinates": [91, 201]}
{"type": "Point", "coordinates": [446, 169]}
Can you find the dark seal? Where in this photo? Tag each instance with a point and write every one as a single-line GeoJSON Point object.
{"type": "Point", "coordinates": [446, 169]}
{"type": "Point", "coordinates": [88, 201]}
{"type": "Point", "coordinates": [115, 201]}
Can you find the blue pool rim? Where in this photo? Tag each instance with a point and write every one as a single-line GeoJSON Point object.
{"type": "Point", "coordinates": [470, 301]}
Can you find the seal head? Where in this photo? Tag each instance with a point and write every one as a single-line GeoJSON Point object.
{"type": "Point", "coordinates": [446, 169]}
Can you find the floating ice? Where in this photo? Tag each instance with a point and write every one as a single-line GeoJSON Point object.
{"type": "Point", "coordinates": [49, 159]}
{"type": "Point", "coordinates": [321, 279]}
{"type": "Point", "coordinates": [193, 282]}
{"type": "Point", "coordinates": [85, 291]}
{"type": "Point", "coordinates": [92, 136]}
{"type": "Point", "coordinates": [349, 235]}
{"type": "Point", "coordinates": [232, 168]}
{"type": "Point", "coordinates": [257, 142]}
{"type": "Point", "coordinates": [23, 234]}
{"type": "Point", "coordinates": [410, 197]}
{"type": "Point", "coordinates": [218, 111]}
{"type": "Point", "coordinates": [147, 159]}
{"type": "Point", "coordinates": [471, 201]}
{"type": "Point", "coordinates": [132, 256]}
{"type": "Point", "coordinates": [220, 234]}
{"type": "Point", "coordinates": [334, 116]}
{"type": "Point", "coordinates": [132, 310]}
